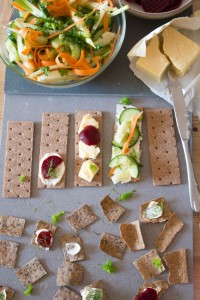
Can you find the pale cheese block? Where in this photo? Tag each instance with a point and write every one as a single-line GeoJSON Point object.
{"type": "Point", "coordinates": [155, 62]}
{"type": "Point", "coordinates": [180, 50]}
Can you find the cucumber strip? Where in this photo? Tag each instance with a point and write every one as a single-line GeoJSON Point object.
{"type": "Point", "coordinates": [127, 115]}
{"type": "Point", "coordinates": [133, 141]}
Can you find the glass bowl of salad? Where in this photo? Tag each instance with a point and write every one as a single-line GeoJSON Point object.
{"type": "Point", "coordinates": [60, 43]}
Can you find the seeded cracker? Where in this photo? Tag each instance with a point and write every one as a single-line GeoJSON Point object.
{"type": "Point", "coordinates": [160, 286]}
{"type": "Point", "coordinates": [18, 159]}
{"type": "Point", "coordinates": [132, 236]}
{"type": "Point", "coordinates": [64, 293]}
{"type": "Point", "coordinates": [171, 228]}
{"type": "Point", "coordinates": [166, 211]}
{"type": "Point", "coordinates": [81, 218]}
{"type": "Point", "coordinates": [99, 285]}
{"type": "Point", "coordinates": [177, 264]}
{"type": "Point", "coordinates": [54, 136]}
{"type": "Point", "coordinates": [9, 292]}
{"type": "Point", "coordinates": [43, 225]}
{"type": "Point", "coordinates": [97, 180]}
{"type": "Point", "coordinates": [11, 226]}
{"type": "Point", "coordinates": [31, 272]}
{"type": "Point", "coordinates": [69, 274]}
{"type": "Point", "coordinates": [112, 245]}
{"type": "Point", "coordinates": [8, 253]}
{"type": "Point", "coordinates": [111, 209]}
{"type": "Point", "coordinates": [162, 147]}
{"type": "Point", "coordinates": [146, 267]}
{"type": "Point", "coordinates": [68, 238]}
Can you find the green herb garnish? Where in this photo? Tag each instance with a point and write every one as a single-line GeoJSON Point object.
{"type": "Point", "coordinates": [46, 70]}
{"type": "Point", "coordinates": [125, 100]}
{"type": "Point", "coordinates": [157, 262]}
{"type": "Point", "coordinates": [108, 267]}
{"type": "Point", "coordinates": [93, 167]}
{"type": "Point", "coordinates": [3, 295]}
{"type": "Point", "coordinates": [51, 172]}
{"type": "Point", "coordinates": [22, 178]}
{"type": "Point", "coordinates": [28, 291]}
{"type": "Point", "coordinates": [63, 72]}
{"type": "Point", "coordinates": [125, 196]}
{"type": "Point", "coordinates": [55, 218]}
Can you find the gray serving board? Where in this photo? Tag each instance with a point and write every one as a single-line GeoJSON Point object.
{"type": "Point", "coordinates": [124, 283]}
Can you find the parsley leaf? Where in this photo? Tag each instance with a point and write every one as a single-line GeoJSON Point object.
{"type": "Point", "coordinates": [157, 262]}
{"type": "Point", "coordinates": [28, 291]}
{"type": "Point", "coordinates": [51, 171]}
{"type": "Point", "coordinates": [108, 267]}
{"type": "Point", "coordinates": [22, 178]}
{"type": "Point", "coordinates": [55, 218]}
{"type": "Point", "coordinates": [125, 196]}
{"type": "Point", "coordinates": [46, 70]}
{"type": "Point", "coordinates": [125, 100]}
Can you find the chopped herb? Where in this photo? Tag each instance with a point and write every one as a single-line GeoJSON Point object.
{"type": "Point", "coordinates": [55, 218]}
{"type": "Point", "coordinates": [125, 196]}
{"type": "Point", "coordinates": [28, 291]}
{"type": "Point", "coordinates": [46, 70]}
{"type": "Point", "coordinates": [125, 100]}
{"type": "Point", "coordinates": [93, 167]}
{"type": "Point", "coordinates": [108, 267]}
{"type": "Point", "coordinates": [63, 72]}
{"type": "Point", "coordinates": [22, 178]}
{"type": "Point", "coordinates": [157, 262]}
{"type": "Point", "coordinates": [3, 295]}
{"type": "Point", "coordinates": [51, 172]}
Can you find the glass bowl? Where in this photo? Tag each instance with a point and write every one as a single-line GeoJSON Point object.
{"type": "Point", "coordinates": [8, 13]}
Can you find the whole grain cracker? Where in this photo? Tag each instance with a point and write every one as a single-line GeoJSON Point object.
{"type": "Point", "coordinates": [69, 274]}
{"type": "Point", "coordinates": [146, 265]}
{"type": "Point", "coordinates": [171, 228]}
{"type": "Point", "coordinates": [54, 136]}
{"type": "Point", "coordinates": [64, 293]}
{"type": "Point", "coordinates": [177, 264]}
{"type": "Point", "coordinates": [18, 160]}
{"type": "Point", "coordinates": [8, 253]}
{"type": "Point", "coordinates": [97, 180]}
{"type": "Point", "coordinates": [162, 147]}
{"type": "Point", "coordinates": [132, 236]}
{"type": "Point", "coordinates": [11, 226]}
{"type": "Point", "coordinates": [69, 238]}
{"type": "Point", "coordinates": [31, 272]}
{"type": "Point", "coordinates": [9, 292]}
{"type": "Point", "coordinates": [43, 225]}
{"type": "Point", "coordinates": [81, 217]}
{"type": "Point", "coordinates": [160, 286]}
{"type": "Point", "coordinates": [166, 211]}
{"type": "Point", "coordinates": [112, 245]}
{"type": "Point", "coordinates": [111, 209]}
{"type": "Point", "coordinates": [100, 285]}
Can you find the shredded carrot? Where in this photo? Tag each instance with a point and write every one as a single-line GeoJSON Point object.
{"type": "Point", "coordinates": [105, 22]}
{"type": "Point", "coordinates": [26, 16]}
{"type": "Point", "coordinates": [48, 63]}
{"type": "Point", "coordinates": [26, 70]}
{"type": "Point", "coordinates": [110, 3]}
{"type": "Point", "coordinates": [17, 6]}
{"type": "Point", "coordinates": [90, 71]}
{"type": "Point", "coordinates": [111, 172]}
{"type": "Point", "coordinates": [32, 21]}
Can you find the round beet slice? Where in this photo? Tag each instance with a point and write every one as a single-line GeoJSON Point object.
{"type": "Point", "coordinates": [49, 165]}
{"type": "Point", "coordinates": [155, 6]}
{"type": "Point", "coordinates": [44, 239]}
{"type": "Point", "coordinates": [89, 135]}
{"type": "Point", "coordinates": [148, 294]}
{"type": "Point", "coordinates": [173, 4]}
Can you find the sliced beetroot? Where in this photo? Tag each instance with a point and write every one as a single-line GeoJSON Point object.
{"type": "Point", "coordinates": [148, 294]}
{"type": "Point", "coordinates": [44, 239]}
{"type": "Point", "coordinates": [89, 135]}
{"type": "Point", "coordinates": [155, 6]}
{"type": "Point", "coordinates": [49, 165]}
{"type": "Point", "coordinates": [173, 4]}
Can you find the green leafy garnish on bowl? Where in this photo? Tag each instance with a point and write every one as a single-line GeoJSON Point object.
{"type": "Point", "coordinates": [125, 100]}
{"type": "Point", "coordinates": [22, 178]}
{"type": "Point", "coordinates": [157, 262]}
{"type": "Point", "coordinates": [28, 291]}
{"type": "Point", "coordinates": [125, 196]}
{"type": "Point", "coordinates": [55, 218]}
{"type": "Point", "coordinates": [108, 267]}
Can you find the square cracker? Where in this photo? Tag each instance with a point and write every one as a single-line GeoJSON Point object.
{"type": "Point", "coordinates": [69, 238]}
{"type": "Point", "coordinates": [8, 253]}
{"type": "Point", "coordinates": [132, 236]}
{"type": "Point", "coordinates": [18, 159]}
{"type": "Point", "coordinates": [64, 293]}
{"type": "Point", "coordinates": [177, 264]}
{"type": "Point", "coordinates": [69, 274]}
{"type": "Point", "coordinates": [54, 136]}
{"type": "Point", "coordinates": [166, 211]}
{"type": "Point", "coordinates": [112, 245]}
{"type": "Point", "coordinates": [31, 272]}
{"type": "Point", "coordinates": [111, 209]}
{"type": "Point", "coordinates": [99, 285]}
{"type": "Point", "coordinates": [160, 286]}
{"type": "Point", "coordinates": [81, 218]}
{"type": "Point", "coordinates": [9, 292]}
{"type": "Point", "coordinates": [97, 180]}
{"type": "Point", "coordinates": [11, 226]}
{"type": "Point", "coordinates": [43, 225]}
{"type": "Point", "coordinates": [144, 264]}
{"type": "Point", "coordinates": [162, 147]}
{"type": "Point", "coordinates": [171, 228]}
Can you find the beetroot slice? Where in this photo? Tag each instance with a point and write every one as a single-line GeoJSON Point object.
{"type": "Point", "coordinates": [148, 294]}
{"type": "Point", "coordinates": [89, 135]}
{"type": "Point", "coordinates": [44, 239]}
{"type": "Point", "coordinates": [155, 6]}
{"type": "Point", "coordinates": [174, 4]}
{"type": "Point", "coordinates": [49, 165]}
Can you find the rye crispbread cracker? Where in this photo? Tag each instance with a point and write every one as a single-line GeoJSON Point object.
{"type": "Point", "coordinates": [54, 136]}
{"type": "Point", "coordinates": [97, 180]}
{"type": "Point", "coordinates": [69, 274]}
{"type": "Point", "coordinates": [146, 265]}
{"type": "Point", "coordinates": [112, 245]}
{"type": "Point", "coordinates": [177, 264]}
{"type": "Point", "coordinates": [31, 272]}
{"type": "Point", "coordinates": [162, 147]}
{"type": "Point", "coordinates": [160, 286]}
{"type": "Point", "coordinates": [132, 236]}
{"type": "Point", "coordinates": [9, 292]}
{"type": "Point", "coordinates": [170, 229]}
{"type": "Point", "coordinates": [111, 209]}
{"type": "Point", "coordinates": [43, 225]}
{"type": "Point", "coordinates": [166, 211]}
{"type": "Point", "coordinates": [81, 218]}
{"type": "Point", "coordinates": [8, 253]}
{"type": "Point", "coordinates": [18, 159]}
{"type": "Point", "coordinates": [69, 238]}
{"type": "Point", "coordinates": [99, 285]}
{"type": "Point", "coordinates": [11, 226]}
{"type": "Point", "coordinates": [64, 293]}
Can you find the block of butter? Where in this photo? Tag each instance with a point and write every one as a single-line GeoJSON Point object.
{"type": "Point", "coordinates": [155, 62]}
{"type": "Point", "coordinates": [180, 50]}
